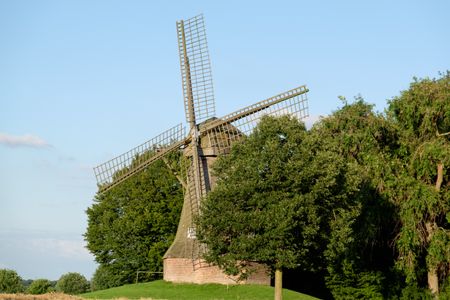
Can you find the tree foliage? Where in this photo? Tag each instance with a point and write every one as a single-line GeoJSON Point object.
{"type": "Point", "coordinates": [10, 281]}
{"type": "Point", "coordinates": [312, 198]}
{"type": "Point", "coordinates": [40, 286]}
{"type": "Point", "coordinates": [104, 279]}
{"type": "Point", "coordinates": [72, 283]}
{"type": "Point", "coordinates": [422, 116]}
{"type": "Point", "coordinates": [359, 255]}
{"type": "Point", "coordinates": [251, 215]}
{"type": "Point", "coordinates": [132, 225]}
{"type": "Point", "coordinates": [327, 187]}
{"type": "Point", "coordinates": [279, 194]}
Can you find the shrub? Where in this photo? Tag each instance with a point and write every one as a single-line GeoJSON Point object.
{"type": "Point", "coordinates": [72, 283]}
{"type": "Point", "coordinates": [444, 293]}
{"type": "Point", "coordinates": [10, 281]}
{"type": "Point", "coordinates": [356, 285]}
{"type": "Point", "coordinates": [26, 283]}
{"type": "Point", "coordinates": [104, 278]}
{"type": "Point", "coordinates": [40, 286]}
{"type": "Point", "coordinates": [413, 292]}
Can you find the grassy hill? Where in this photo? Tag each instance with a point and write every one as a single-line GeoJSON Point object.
{"type": "Point", "coordinates": [180, 291]}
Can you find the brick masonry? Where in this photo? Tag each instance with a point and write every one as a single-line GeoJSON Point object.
{"type": "Point", "coordinates": [182, 270]}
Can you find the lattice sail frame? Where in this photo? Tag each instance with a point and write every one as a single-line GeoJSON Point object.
{"type": "Point", "coordinates": [223, 132]}
{"type": "Point", "coordinates": [123, 166]}
{"type": "Point", "coordinates": [199, 65]}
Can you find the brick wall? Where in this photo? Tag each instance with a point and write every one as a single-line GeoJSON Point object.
{"type": "Point", "coordinates": [182, 270]}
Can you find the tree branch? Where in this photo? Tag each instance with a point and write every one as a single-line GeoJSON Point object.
{"type": "Point", "coordinates": [183, 183]}
{"type": "Point", "coordinates": [440, 176]}
{"type": "Point", "coordinates": [442, 134]}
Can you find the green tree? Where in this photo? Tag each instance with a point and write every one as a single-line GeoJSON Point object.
{"type": "Point", "coordinates": [10, 281]}
{"type": "Point", "coordinates": [359, 253]}
{"type": "Point", "coordinates": [132, 225]}
{"type": "Point", "coordinates": [40, 286]}
{"type": "Point", "coordinates": [72, 283]}
{"type": "Point", "coordinates": [26, 283]}
{"type": "Point", "coordinates": [422, 116]}
{"type": "Point", "coordinates": [273, 201]}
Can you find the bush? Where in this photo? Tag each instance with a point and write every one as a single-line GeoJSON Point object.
{"type": "Point", "coordinates": [444, 293]}
{"type": "Point", "coordinates": [104, 278]}
{"type": "Point", "coordinates": [413, 292]}
{"type": "Point", "coordinates": [357, 285]}
{"type": "Point", "coordinates": [72, 283]}
{"type": "Point", "coordinates": [10, 281]}
{"type": "Point", "coordinates": [26, 283]}
{"type": "Point", "coordinates": [40, 286]}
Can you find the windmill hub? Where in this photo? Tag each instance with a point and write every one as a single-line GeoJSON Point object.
{"type": "Point", "coordinates": [208, 137]}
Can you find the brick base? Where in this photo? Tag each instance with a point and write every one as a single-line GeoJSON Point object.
{"type": "Point", "coordinates": [182, 270]}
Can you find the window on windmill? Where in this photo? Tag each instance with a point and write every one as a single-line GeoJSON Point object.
{"type": "Point", "coordinates": [191, 233]}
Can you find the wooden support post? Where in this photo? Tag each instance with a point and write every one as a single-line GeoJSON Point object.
{"type": "Point", "coordinates": [278, 284]}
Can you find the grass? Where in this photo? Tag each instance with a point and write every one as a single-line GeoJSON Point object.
{"type": "Point", "coordinates": [182, 291]}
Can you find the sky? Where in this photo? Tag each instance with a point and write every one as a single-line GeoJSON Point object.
{"type": "Point", "coordinates": [84, 81]}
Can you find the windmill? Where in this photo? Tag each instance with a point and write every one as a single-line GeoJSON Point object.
{"type": "Point", "coordinates": [208, 137]}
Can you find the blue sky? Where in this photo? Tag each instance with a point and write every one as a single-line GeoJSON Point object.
{"type": "Point", "coordinates": [84, 81]}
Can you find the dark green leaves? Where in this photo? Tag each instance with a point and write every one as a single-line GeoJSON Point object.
{"type": "Point", "coordinates": [275, 196]}
{"type": "Point", "coordinates": [132, 225]}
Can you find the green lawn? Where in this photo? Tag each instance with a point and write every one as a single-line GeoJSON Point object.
{"type": "Point", "coordinates": [179, 291]}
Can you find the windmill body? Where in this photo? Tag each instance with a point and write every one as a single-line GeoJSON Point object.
{"type": "Point", "coordinates": [208, 137]}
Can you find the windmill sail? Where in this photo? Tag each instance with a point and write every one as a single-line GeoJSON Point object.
{"type": "Point", "coordinates": [123, 166]}
{"type": "Point", "coordinates": [195, 64]}
{"type": "Point", "coordinates": [224, 131]}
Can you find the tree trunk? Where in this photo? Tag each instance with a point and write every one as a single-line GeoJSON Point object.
{"type": "Point", "coordinates": [432, 275]}
{"type": "Point", "coordinates": [433, 279]}
{"type": "Point", "coordinates": [278, 284]}
{"type": "Point", "coordinates": [440, 176]}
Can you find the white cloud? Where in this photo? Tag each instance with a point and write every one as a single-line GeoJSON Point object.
{"type": "Point", "coordinates": [72, 249]}
{"type": "Point", "coordinates": [26, 140]}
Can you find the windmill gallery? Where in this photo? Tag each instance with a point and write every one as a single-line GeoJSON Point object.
{"type": "Point", "coordinates": [207, 138]}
